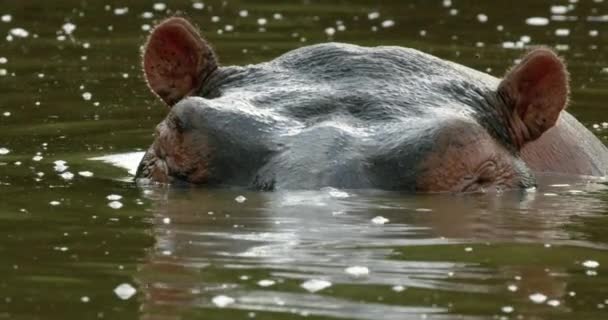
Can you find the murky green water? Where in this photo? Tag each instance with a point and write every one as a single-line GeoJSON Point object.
{"type": "Point", "coordinates": [98, 247]}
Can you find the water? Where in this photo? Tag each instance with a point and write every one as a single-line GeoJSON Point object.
{"type": "Point", "coordinates": [78, 240]}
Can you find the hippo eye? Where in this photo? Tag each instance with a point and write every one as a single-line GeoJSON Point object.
{"type": "Point", "coordinates": [484, 176]}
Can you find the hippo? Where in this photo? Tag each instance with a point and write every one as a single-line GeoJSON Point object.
{"type": "Point", "coordinates": [345, 116]}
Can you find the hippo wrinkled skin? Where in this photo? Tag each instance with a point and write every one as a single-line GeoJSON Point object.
{"type": "Point", "coordinates": [352, 117]}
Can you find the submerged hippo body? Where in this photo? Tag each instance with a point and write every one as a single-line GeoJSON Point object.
{"type": "Point", "coordinates": [352, 117]}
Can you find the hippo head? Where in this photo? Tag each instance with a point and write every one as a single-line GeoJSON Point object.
{"type": "Point", "coordinates": [472, 142]}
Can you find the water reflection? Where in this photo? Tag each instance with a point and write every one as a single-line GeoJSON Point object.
{"type": "Point", "coordinates": [210, 245]}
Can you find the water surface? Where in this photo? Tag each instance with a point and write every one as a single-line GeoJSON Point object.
{"type": "Point", "coordinates": [79, 240]}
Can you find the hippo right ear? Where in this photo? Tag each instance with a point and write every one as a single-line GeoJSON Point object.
{"type": "Point", "coordinates": [176, 60]}
{"type": "Point", "coordinates": [535, 92]}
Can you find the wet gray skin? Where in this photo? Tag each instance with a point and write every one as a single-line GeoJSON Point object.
{"type": "Point", "coordinates": [347, 116]}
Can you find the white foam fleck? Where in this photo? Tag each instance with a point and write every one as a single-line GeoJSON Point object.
{"type": "Point", "coordinates": [68, 28]}
{"type": "Point", "coordinates": [507, 309]}
{"type": "Point", "coordinates": [537, 21]}
{"type": "Point", "coordinates": [538, 298]}
{"type": "Point", "coordinates": [562, 32]}
{"type": "Point", "coordinates": [19, 33]}
{"type": "Point", "coordinates": [240, 199]}
{"type": "Point", "coordinates": [159, 6]}
{"type": "Point", "coordinates": [114, 197]}
{"type": "Point", "coordinates": [380, 220]}
{"type": "Point", "coordinates": [388, 23]}
{"type": "Point", "coordinates": [357, 271]}
{"type": "Point", "coordinates": [121, 11]}
{"type": "Point", "coordinates": [86, 174]}
{"type": "Point", "coordinates": [60, 166]}
{"type": "Point", "coordinates": [125, 291]}
{"type": "Point", "coordinates": [266, 283]}
{"type": "Point", "coordinates": [591, 264]}
{"type": "Point", "coordinates": [4, 151]}
{"type": "Point", "coordinates": [67, 175]}
{"type": "Point", "coordinates": [398, 288]}
{"type": "Point", "coordinates": [222, 301]}
{"type": "Point", "coordinates": [115, 205]}
{"type": "Point", "coordinates": [315, 285]}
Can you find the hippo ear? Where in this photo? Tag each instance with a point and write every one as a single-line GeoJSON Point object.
{"type": "Point", "coordinates": [176, 60]}
{"type": "Point", "coordinates": [535, 91]}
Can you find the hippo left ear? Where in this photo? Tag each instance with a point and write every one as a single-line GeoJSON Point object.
{"type": "Point", "coordinates": [535, 91]}
{"type": "Point", "coordinates": [176, 60]}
